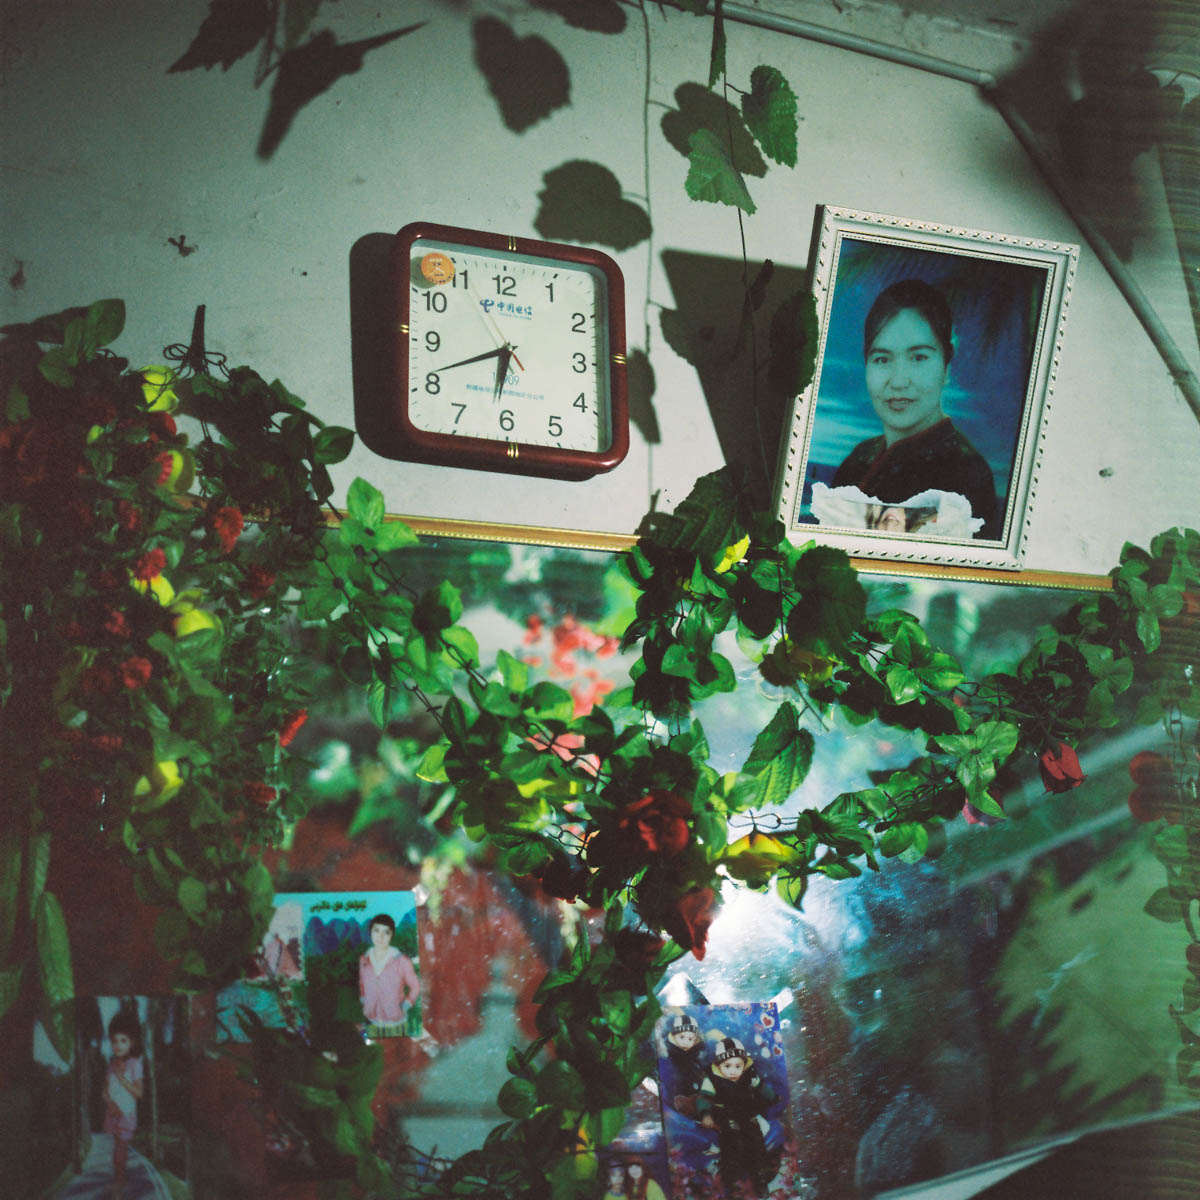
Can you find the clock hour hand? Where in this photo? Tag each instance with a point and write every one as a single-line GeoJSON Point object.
{"type": "Point", "coordinates": [504, 351]}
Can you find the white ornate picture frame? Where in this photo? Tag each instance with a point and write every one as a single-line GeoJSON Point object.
{"type": "Point", "coordinates": [850, 474]}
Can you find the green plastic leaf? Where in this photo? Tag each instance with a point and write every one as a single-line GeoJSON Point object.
{"type": "Point", "coordinates": [104, 321]}
{"type": "Point", "coordinates": [769, 109]}
{"type": "Point", "coordinates": [54, 970]}
{"type": "Point", "coordinates": [1163, 906]}
{"type": "Point", "coordinates": [10, 986]}
{"type": "Point", "coordinates": [333, 444]}
{"type": "Point", "coordinates": [560, 1084]}
{"type": "Point", "coordinates": [716, 58]}
{"type": "Point", "coordinates": [193, 896]}
{"type": "Point", "coordinates": [712, 177]}
{"type": "Point", "coordinates": [517, 1099]}
{"type": "Point", "coordinates": [780, 757]}
{"type": "Point", "coordinates": [10, 887]}
{"type": "Point", "coordinates": [365, 503]}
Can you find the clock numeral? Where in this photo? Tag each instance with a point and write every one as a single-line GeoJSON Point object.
{"type": "Point", "coordinates": [433, 341]}
{"type": "Point", "coordinates": [435, 301]}
{"type": "Point", "coordinates": [555, 427]}
{"type": "Point", "coordinates": [506, 285]}
{"type": "Point", "coordinates": [550, 289]}
{"type": "Point", "coordinates": [506, 420]}
{"type": "Point", "coordinates": [433, 383]}
{"type": "Point", "coordinates": [580, 403]}
{"type": "Point", "coordinates": [578, 363]}
{"type": "Point", "coordinates": [462, 408]}
{"type": "Point", "coordinates": [577, 320]}
{"type": "Point", "coordinates": [460, 275]}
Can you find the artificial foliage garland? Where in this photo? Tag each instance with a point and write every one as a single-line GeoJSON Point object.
{"type": "Point", "coordinates": [148, 640]}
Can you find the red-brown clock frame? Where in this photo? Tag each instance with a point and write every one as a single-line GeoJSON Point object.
{"type": "Point", "coordinates": [519, 458]}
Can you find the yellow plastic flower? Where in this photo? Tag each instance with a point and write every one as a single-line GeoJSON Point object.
{"type": "Point", "coordinates": [733, 554]}
{"type": "Point", "coordinates": [159, 587]}
{"type": "Point", "coordinates": [156, 788]}
{"type": "Point", "coordinates": [189, 617]}
{"type": "Point", "coordinates": [158, 386]}
{"type": "Point", "coordinates": [756, 857]}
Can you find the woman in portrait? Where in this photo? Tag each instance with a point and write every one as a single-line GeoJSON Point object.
{"type": "Point", "coordinates": [387, 982]}
{"type": "Point", "coordinates": [907, 348]}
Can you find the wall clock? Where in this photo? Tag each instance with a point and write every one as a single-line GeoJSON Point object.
{"type": "Point", "coordinates": [510, 353]}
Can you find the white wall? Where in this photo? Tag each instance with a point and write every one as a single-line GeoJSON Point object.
{"type": "Point", "coordinates": [106, 156]}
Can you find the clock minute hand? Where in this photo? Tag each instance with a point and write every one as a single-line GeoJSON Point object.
{"type": "Point", "coordinates": [462, 362]}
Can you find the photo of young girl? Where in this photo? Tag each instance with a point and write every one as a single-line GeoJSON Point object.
{"type": "Point", "coordinates": [724, 1093]}
{"type": "Point", "coordinates": [111, 1123]}
{"type": "Point", "coordinates": [352, 954]}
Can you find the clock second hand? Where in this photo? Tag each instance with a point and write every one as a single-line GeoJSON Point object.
{"type": "Point", "coordinates": [488, 319]}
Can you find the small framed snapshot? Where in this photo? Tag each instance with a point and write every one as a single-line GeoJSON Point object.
{"type": "Point", "coordinates": [918, 438]}
{"type": "Point", "coordinates": [355, 954]}
{"type": "Point", "coordinates": [723, 1088]}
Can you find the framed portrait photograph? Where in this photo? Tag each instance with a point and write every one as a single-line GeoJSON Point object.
{"type": "Point", "coordinates": [918, 438]}
{"type": "Point", "coordinates": [356, 954]}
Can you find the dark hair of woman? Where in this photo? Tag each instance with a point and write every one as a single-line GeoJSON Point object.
{"type": "Point", "coordinates": [383, 919]}
{"type": "Point", "coordinates": [918, 295]}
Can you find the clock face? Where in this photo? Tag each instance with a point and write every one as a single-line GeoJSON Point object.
{"type": "Point", "coordinates": [509, 357]}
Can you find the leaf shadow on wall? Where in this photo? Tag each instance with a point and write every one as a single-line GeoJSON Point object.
{"type": "Point", "coordinates": [230, 31]}
{"type": "Point", "coordinates": [596, 16]}
{"type": "Point", "coordinates": [307, 71]}
{"type": "Point", "coordinates": [526, 75]}
{"type": "Point", "coordinates": [373, 318]}
{"type": "Point", "coordinates": [582, 202]}
{"type": "Point", "coordinates": [722, 336]}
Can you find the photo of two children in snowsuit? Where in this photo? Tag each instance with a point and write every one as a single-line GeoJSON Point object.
{"type": "Point", "coordinates": [724, 1093]}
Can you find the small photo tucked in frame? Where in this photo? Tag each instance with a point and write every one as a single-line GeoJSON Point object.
{"type": "Point", "coordinates": [918, 437]}
{"type": "Point", "coordinates": [111, 1108]}
{"type": "Point", "coordinates": [634, 1167]}
{"type": "Point", "coordinates": [724, 1092]}
{"type": "Point", "coordinates": [353, 954]}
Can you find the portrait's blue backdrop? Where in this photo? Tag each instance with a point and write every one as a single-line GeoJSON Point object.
{"type": "Point", "coordinates": [996, 306]}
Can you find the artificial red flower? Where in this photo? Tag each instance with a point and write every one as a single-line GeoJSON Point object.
{"type": "Point", "coordinates": [106, 579]}
{"type": "Point", "coordinates": [116, 624]}
{"type": "Point", "coordinates": [107, 743]}
{"type": "Point", "coordinates": [72, 631]}
{"type": "Point", "coordinates": [655, 824]}
{"type": "Point", "coordinates": [227, 524]}
{"type": "Point", "coordinates": [292, 726]}
{"type": "Point", "coordinates": [585, 696]}
{"type": "Point", "coordinates": [149, 565]}
{"type": "Point", "coordinates": [129, 516]}
{"type": "Point", "coordinates": [259, 581]}
{"type": "Point", "coordinates": [258, 793]}
{"type": "Point", "coordinates": [1060, 769]}
{"type": "Point", "coordinates": [1150, 767]}
{"type": "Point", "coordinates": [136, 672]}
{"type": "Point", "coordinates": [161, 424]}
{"type": "Point", "coordinates": [533, 628]}
{"type": "Point", "coordinates": [689, 920]}
{"type": "Point", "coordinates": [166, 467]}
{"type": "Point", "coordinates": [1157, 794]}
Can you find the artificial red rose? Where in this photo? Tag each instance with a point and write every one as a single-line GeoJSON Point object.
{"type": "Point", "coordinates": [166, 465]}
{"type": "Point", "coordinates": [107, 743]}
{"type": "Point", "coordinates": [259, 581]}
{"type": "Point", "coordinates": [1149, 767]}
{"type": "Point", "coordinates": [533, 628]}
{"type": "Point", "coordinates": [1060, 769]}
{"type": "Point", "coordinates": [690, 918]}
{"type": "Point", "coordinates": [149, 565]}
{"type": "Point", "coordinates": [260, 794]}
{"type": "Point", "coordinates": [129, 516]}
{"type": "Point", "coordinates": [227, 524]}
{"type": "Point", "coordinates": [655, 824]}
{"type": "Point", "coordinates": [136, 672]}
{"type": "Point", "coordinates": [291, 726]}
